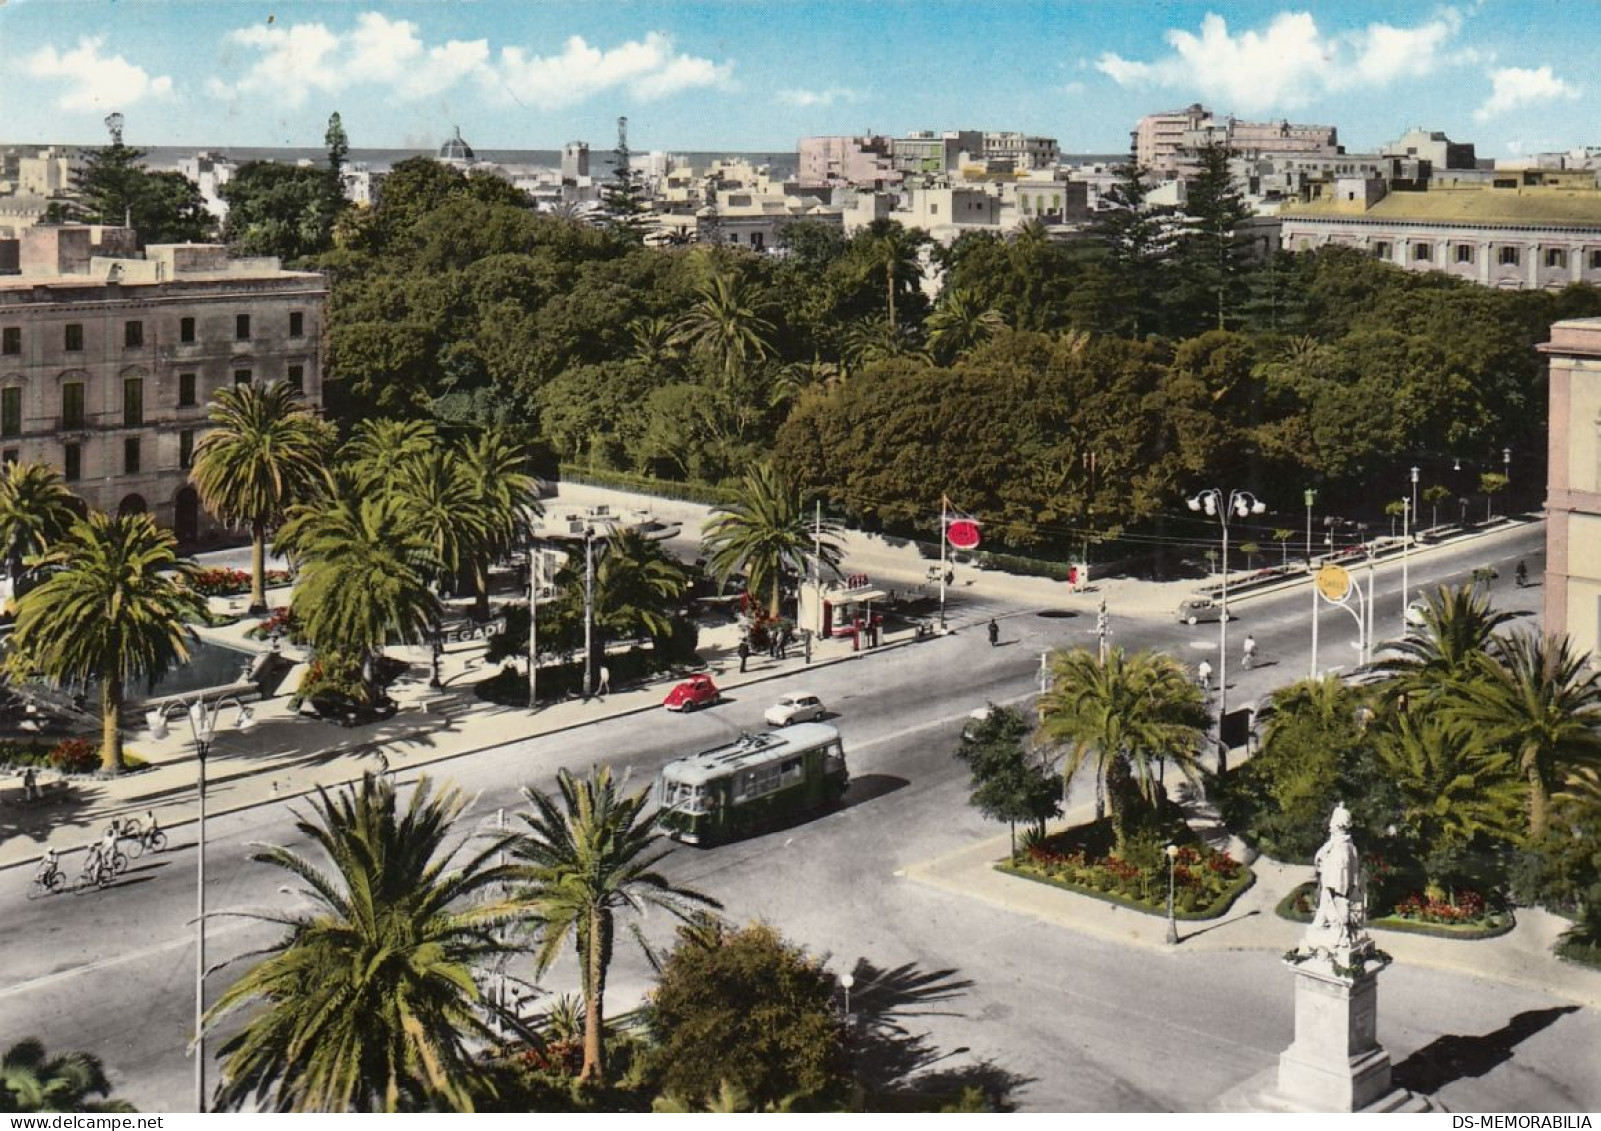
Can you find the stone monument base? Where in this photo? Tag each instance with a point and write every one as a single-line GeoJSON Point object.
{"type": "Point", "coordinates": [1261, 1094]}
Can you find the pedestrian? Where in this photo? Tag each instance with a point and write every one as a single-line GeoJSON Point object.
{"type": "Point", "coordinates": [783, 643]}
{"type": "Point", "coordinates": [1521, 575]}
{"type": "Point", "coordinates": [995, 633]}
{"type": "Point", "coordinates": [30, 784]}
{"type": "Point", "coordinates": [605, 681]}
{"type": "Point", "coordinates": [1250, 650]}
{"type": "Point", "coordinates": [744, 654]}
{"type": "Point", "coordinates": [1203, 672]}
{"type": "Point", "coordinates": [806, 642]}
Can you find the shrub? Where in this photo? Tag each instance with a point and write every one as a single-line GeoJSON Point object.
{"type": "Point", "coordinates": [75, 756]}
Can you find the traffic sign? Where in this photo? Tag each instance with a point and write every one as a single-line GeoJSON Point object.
{"type": "Point", "coordinates": [1334, 582]}
{"type": "Point", "coordinates": [963, 534]}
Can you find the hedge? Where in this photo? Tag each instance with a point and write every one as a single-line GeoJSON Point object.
{"type": "Point", "coordinates": [1220, 906]}
{"type": "Point", "coordinates": [648, 485]}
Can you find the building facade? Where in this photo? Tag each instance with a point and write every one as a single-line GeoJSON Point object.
{"type": "Point", "coordinates": [108, 365]}
{"type": "Point", "coordinates": [1572, 586]}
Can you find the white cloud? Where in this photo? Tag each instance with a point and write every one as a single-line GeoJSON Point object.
{"type": "Point", "coordinates": [1513, 88]}
{"type": "Point", "coordinates": [1288, 63]}
{"type": "Point", "coordinates": [295, 60]}
{"type": "Point", "coordinates": [647, 67]}
{"type": "Point", "coordinates": [1074, 87]}
{"type": "Point", "coordinates": [95, 81]}
{"type": "Point", "coordinates": [809, 98]}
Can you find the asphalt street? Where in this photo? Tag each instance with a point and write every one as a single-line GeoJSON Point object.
{"type": "Point", "coordinates": [945, 987]}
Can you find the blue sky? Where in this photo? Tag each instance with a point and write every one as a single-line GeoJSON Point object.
{"type": "Point", "coordinates": [750, 75]}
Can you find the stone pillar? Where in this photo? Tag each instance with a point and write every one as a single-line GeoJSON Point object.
{"type": "Point", "coordinates": [1336, 1062]}
{"type": "Point", "coordinates": [1486, 258]}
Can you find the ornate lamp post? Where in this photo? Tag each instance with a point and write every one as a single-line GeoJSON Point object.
{"type": "Point", "coordinates": [1172, 923]}
{"type": "Point", "coordinates": [202, 729]}
{"type": "Point", "coordinates": [1242, 504]}
{"type": "Point", "coordinates": [1311, 497]}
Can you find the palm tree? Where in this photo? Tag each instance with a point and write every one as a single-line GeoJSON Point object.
{"type": "Point", "coordinates": [1127, 716]}
{"type": "Point", "coordinates": [1458, 626]}
{"type": "Point", "coordinates": [505, 497]}
{"type": "Point", "coordinates": [727, 323]}
{"type": "Point", "coordinates": [636, 585]}
{"type": "Point", "coordinates": [959, 323]}
{"type": "Point", "coordinates": [435, 488]}
{"type": "Point", "coordinates": [36, 509]}
{"type": "Point", "coordinates": [650, 341]}
{"type": "Point", "coordinates": [1540, 701]}
{"type": "Point", "coordinates": [264, 453]}
{"type": "Point", "coordinates": [369, 1001]}
{"type": "Point", "coordinates": [765, 531]}
{"type": "Point", "coordinates": [894, 251]}
{"type": "Point", "coordinates": [378, 449]}
{"type": "Point", "coordinates": [1452, 785]}
{"type": "Point", "coordinates": [33, 1081]}
{"type": "Point", "coordinates": [583, 860]}
{"type": "Point", "coordinates": [363, 582]}
{"type": "Point", "coordinates": [114, 608]}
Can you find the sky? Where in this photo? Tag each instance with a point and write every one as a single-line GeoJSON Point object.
{"type": "Point", "coordinates": [743, 75]}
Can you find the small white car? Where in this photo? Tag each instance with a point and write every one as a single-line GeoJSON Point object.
{"type": "Point", "coordinates": [796, 707]}
{"type": "Point", "coordinates": [1414, 613]}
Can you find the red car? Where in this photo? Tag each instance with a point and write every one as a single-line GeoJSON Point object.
{"type": "Point", "coordinates": [696, 691]}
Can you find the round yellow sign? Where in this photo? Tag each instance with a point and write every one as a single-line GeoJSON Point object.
{"type": "Point", "coordinates": [1334, 582]}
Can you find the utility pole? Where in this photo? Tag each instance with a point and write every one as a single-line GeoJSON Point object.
{"type": "Point", "coordinates": [589, 610]}
{"type": "Point", "coordinates": [1103, 629]}
{"type": "Point", "coordinates": [534, 561]}
{"type": "Point", "coordinates": [944, 521]}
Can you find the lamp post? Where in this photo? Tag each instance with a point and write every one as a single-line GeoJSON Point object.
{"type": "Point", "coordinates": [1414, 490]}
{"type": "Point", "coordinates": [1172, 923]}
{"type": "Point", "coordinates": [1406, 556]}
{"type": "Point", "coordinates": [846, 981]}
{"type": "Point", "coordinates": [1243, 504]}
{"type": "Point", "coordinates": [1311, 497]}
{"type": "Point", "coordinates": [202, 729]}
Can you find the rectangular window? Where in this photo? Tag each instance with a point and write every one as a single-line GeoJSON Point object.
{"type": "Point", "coordinates": [1595, 261]}
{"type": "Point", "coordinates": [1464, 253]}
{"type": "Point", "coordinates": [1556, 257]}
{"type": "Point", "coordinates": [1509, 257]}
{"type": "Point", "coordinates": [10, 455]}
{"type": "Point", "coordinates": [133, 402]}
{"type": "Point", "coordinates": [241, 327]}
{"type": "Point", "coordinates": [72, 404]}
{"type": "Point", "coordinates": [1423, 252]}
{"type": "Point", "coordinates": [297, 324]}
{"type": "Point", "coordinates": [74, 337]}
{"type": "Point", "coordinates": [1381, 250]}
{"type": "Point", "coordinates": [130, 456]}
{"type": "Point", "coordinates": [186, 329]}
{"type": "Point", "coordinates": [297, 378]}
{"type": "Point", "coordinates": [11, 412]}
{"type": "Point", "coordinates": [72, 462]}
{"type": "Point", "coordinates": [186, 390]}
{"type": "Point", "coordinates": [186, 449]}
{"type": "Point", "coordinates": [12, 337]}
{"type": "Point", "coordinates": [133, 335]}
{"type": "Point", "coordinates": [241, 376]}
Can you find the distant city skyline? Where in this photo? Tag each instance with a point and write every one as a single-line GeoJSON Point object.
{"type": "Point", "coordinates": [758, 76]}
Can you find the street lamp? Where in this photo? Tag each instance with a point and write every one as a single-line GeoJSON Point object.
{"type": "Point", "coordinates": [1406, 554]}
{"type": "Point", "coordinates": [1242, 504]}
{"type": "Point", "coordinates": [1506, 464]}
{"type": "Point", "coordinates": [202, 729]}
{"type": "Point", "coordinates": [846, 981]}
{"type": "Point", "coordinates": [1414, 491]}
{"type": "Point", "coordinates": [1311, 497]}
{"type": "Point", "coordinates": [1172, 924]}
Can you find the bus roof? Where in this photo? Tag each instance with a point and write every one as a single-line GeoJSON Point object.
{"type": "Point", "coordinates": [746, 751]}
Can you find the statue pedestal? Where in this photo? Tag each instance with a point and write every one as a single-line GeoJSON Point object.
{"type": "Point", "coordinates": [1336, 1062]}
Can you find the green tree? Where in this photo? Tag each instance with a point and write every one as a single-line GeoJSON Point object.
{"type": "Point", "coordinates": [114, 608]}
{"type": "Point", "coordinates": [36, 510]}
{"type": "Point", "coordinates": [285, 210]}
{"type": "Point", "coordinates": [265, 452]}
{"type": "Point", "coordinates": [894, 252]}
{"type": "Point", "coordinates": [369, 1001]}
{"type": "Point", "coordinates": [1139, 238]}
{"type": "Point", "coordinates": [503, 496]}
{"type": "Point", "coordinates": [727, 324]}
{"type": "Point", "coordinates": [1491, 484]}
{"type": "Point", "coordinates": [1211, 257]}
{"type": "Point", "coordinates": [1434, 496]}
{"type": "Point", "coordinates": [441, 502]}
{"type": "Point", "coordinates": [581, 861]}
{"type": "Point", "coordinates": [31, 1080]}
{"type": "Point", "coordinates": [337, 144]}
{"type": "Point", "coordinates": [637, 586]}
{"type": "Point", "coordinates": [111, 186]}
{"type": "Point", "coordinates": [1459, 625]}
{"type": "Point", "coordinates": [378, 451]}
{"type": "Point", "coordinates": [364, 575]}
{"type": "Point", "coordinates": [1127, 717]}
{"type": "Point", "coordinates": [959, 323]}
{"type": "Point", "coordinates": [1540, 701]}
{"type": "Point", "coordinates": [751, 1013]}
{"type": "Point", "coordinates": [765, 532]}
{"type": "Point", "coordinates": [1008, 783]}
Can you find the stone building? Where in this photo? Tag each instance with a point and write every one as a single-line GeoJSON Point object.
{"type": "Point", "coordinates": [1572, 586]}
{"type": "Point", "coordinates": [108, 365]}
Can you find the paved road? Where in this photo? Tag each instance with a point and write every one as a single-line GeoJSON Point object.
{"type": "Point", "coordinates": [1065, 1020]}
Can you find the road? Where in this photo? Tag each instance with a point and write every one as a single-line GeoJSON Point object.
{"type": "Point", "coordinates": [1058, 1020]}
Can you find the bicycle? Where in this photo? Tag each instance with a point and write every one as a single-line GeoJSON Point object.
{"type": "Point", "coordinates": [127, 830]}
{"type": "Point", "coordinates": [49, 881]}
{"type": "Point", "coordinates": [96, 872]}
{"type": "Point", "coordinates": [152, 839]}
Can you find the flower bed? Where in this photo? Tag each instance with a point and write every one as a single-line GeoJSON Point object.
{"type": "Point", "coordinates": [222, 582]}
{"type": "Point", "coordinates": [1467, 916]}
{"type": "Point", "coordinates": [1205, 883]}
{"type": "Point", "coordinates": [280, 622]}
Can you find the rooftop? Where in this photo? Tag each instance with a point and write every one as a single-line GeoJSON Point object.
{"type": "Point", "coordinates": [748, 750]}
{"type": "Point", "coordinates": [1550, 207]}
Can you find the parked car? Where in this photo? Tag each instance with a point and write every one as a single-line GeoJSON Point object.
{"type": "Point", "coordinates": [1197, 609]}
{"type": "Point", "coordinates": [695, 692]}
{"type": "Point", "coordinates": [1414, 614]}
{"type": "Point", "coordinates": [796, 707]}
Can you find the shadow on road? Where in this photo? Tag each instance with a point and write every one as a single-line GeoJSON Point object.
{"type": "Point", "coordinates": [893, 1061]}
{"type": "Point", "coordinates": [1453, 1057]}
{"type": "Point", "coordinates": [870, 787]}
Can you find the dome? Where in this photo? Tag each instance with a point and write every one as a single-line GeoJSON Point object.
{"type": "Point", "coordinates": [456, 149]}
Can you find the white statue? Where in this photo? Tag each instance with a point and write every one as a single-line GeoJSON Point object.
{"type": "Point", "coordinates": [1339, 925]}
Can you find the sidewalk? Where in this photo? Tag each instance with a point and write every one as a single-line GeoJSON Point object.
{"type": "Point", "coordinates": [1521, 957]}
{"type": "Point", "coordinates": [286, 755]}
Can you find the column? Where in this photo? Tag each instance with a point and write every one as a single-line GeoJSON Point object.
{"type": "Point", "coordinates": [1486, 255]}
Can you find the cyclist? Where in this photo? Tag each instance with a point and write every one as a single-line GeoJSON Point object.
{"type": "Point", "coordinates": [1203, 672]}
{"type": "Point", "coordinates": [49, 865]}
{"type": "Point", "coordinates": [1250, 650]}
{"type": "Point", "coordinates": [1521, 575]}
{"type": "Point", "coordinates": [106, 852]}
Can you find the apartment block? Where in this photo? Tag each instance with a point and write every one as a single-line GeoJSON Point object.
{"type": "Point", "coordinates": [1572, 587]}
{"type": "Point", "coordinates": [108, 364]}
